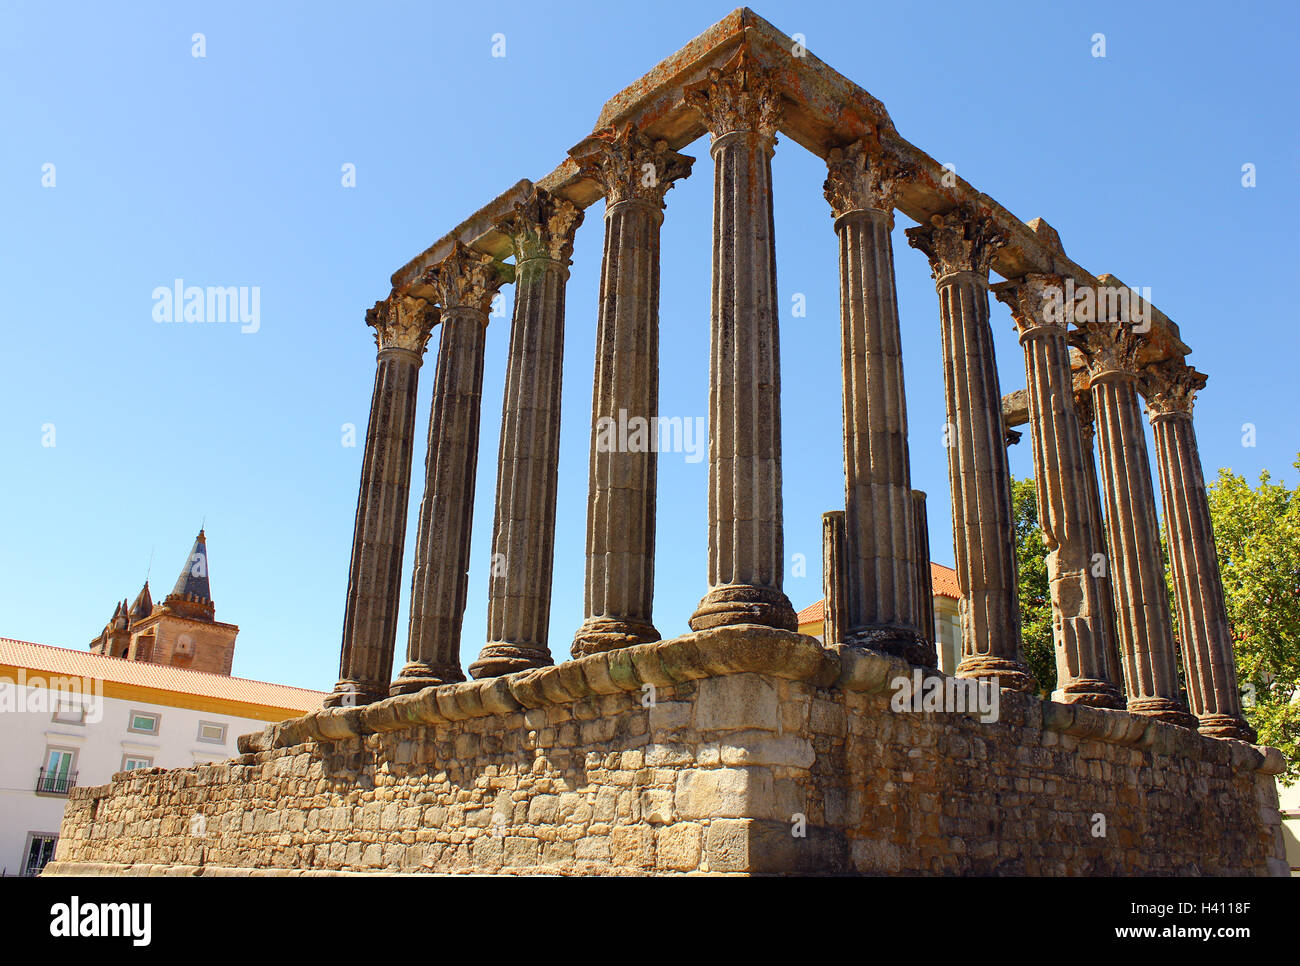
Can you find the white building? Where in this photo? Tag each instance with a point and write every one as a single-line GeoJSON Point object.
{"type": "Point", "coordinates": [72, 718]}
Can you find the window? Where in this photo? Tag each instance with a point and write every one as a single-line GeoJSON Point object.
{"type": "Point", "coordinates": [143, 723]}
{"type": "Point", "coordinates": [69, 710]}
{"type": "Point", "coordinates": [40, 849]}
{"type": "Point", "coordinates": [132, 762]}
{"type": "Point", "coordinates": [59, 774]}
{"type": "Point", "coordinates": [213, 732]}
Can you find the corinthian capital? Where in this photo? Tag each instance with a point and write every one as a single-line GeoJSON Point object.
{"type": "Point", "coordinates": [630, 166]}
{"type": "Point", "coordinates": [960, 241]}
{"type": "Point", "coordinates": [466, 278]}
{"type": "Point", "coordinates": [1110, 348]}
{"type": "Point", "coordinates": [1037, 303]}
{"type": "Point", "coordinates": [1170, 388]}
{"type": "Point", "coordinates": [861, 178]}
{"type": "Point", "coordinates": [542, 226]}
{"type": "Point", "coordinates": [737, 97]}
{"type": "Point", "coordinates": [402, 322]}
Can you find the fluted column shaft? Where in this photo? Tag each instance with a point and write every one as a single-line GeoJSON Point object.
{"type": "Point", "coordinates": [622, 475]}
{"type": "Point", "coordinates": [467, 280]}
{"type": "Point", "coordinates": [961, 246]}
{"type": "Point", "coordinates": [746, 540]}
{"type": "Point", "coordinates": [1079, 631]}
{"type": "Point", "coordinates": [924, 579]}
{"type": "Point", "coordinates": [402, 328]}
{"type": "Point", "coordinates": [1203, 625]}
{"type": "Point", "coordinates": [833, 610]}
{"type": "Point", "coordinates": [523, 530]}
{"type": "Point", "coordinates": [1137, 567]}
{"type": "Point", "coordinates": [1085, 411]}
{"type": "Point", "coordinates": [880, 538]}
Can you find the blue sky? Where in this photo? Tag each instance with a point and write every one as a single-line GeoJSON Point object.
{"type": "Point", "coordinates": [226, 171]}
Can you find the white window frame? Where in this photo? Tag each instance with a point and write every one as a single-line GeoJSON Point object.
{"type": "Point", "coordinates": [225, 730]}
{"type": "Point", "coordinates": [130, 722]}
{"type": "Point", "coordinates": [130, 756]}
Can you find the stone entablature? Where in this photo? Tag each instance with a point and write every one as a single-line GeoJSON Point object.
{"type": "Point", "coordinates": [752, 733]}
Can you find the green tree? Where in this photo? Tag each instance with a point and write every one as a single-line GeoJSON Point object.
{"type": "Point", "coordinates": [1257, 534]}
{"type": "Point", "coordinates": [1035, 594]}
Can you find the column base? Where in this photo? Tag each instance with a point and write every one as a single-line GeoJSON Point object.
{"type": "Point", "coordinates": [503, 657]}
{"type": "Point", "coordinates": [902, 642]}
{"type": "Point", "coordinates": [418, 675]}
{"type": "Point", "coordinates": [729, 604]}
{"type": "Point", "coordinates": [1011, 675]}
{"type": "Point", "coordinates": [352, 694]}
{"type": "Point", "coordinates": [599, 634]}
{"type": "Point", "coordinates": [1163, 709]}
{"type": "Point", "coordinates": [1226, 726]}
{"type": "Point", "coordinates": [1090, 691]}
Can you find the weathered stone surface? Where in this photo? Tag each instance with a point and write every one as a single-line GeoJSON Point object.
{"type": "Point", "coordinates": [857, 788]}
{"type": "Point", "coordinates": [1075, 557]}
{"type": "Point", "coordinates": [402, 328]}
{"type": "Point", "coordinates": [746, 537]}
{"type": "Point", "coordinates": [1133, 537]}
{"type": "Point", "coordinates": [961, 246]}
{"type": "Point", "coordinates": [1170, 389]}
{"type": "Point", "coordinates": [523, 529]}
{"type": "Point", "coordinates": [465, 282]}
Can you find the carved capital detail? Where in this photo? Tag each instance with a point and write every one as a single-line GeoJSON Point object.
{"type": "Point", "coordinates": [402, 322]}
{"type": "Point", "coordinates": [862, 178]}
{"type": "Point", "coordinates": [466, 278]}
{"type": "Point", "coordinates": [1037, 303]}
{"type": "Point", "coordinates": [1110, 348]}
{"type": "Point", "coordinates": [737, 97]}
{"type": "Point", "coordinates": [1170, 388]}
{"type": "Point", "coordinates": [960, 241]}
{"type": "Point", "coordinates": [542, 226]}
{"type": "Point", "coordinates": [630, 166]}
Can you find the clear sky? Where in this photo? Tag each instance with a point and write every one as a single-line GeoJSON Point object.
{"type": "Point", "coordinates": [226, 170]}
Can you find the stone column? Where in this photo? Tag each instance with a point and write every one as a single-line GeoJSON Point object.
{"type": "Point", "coordinates": [833, 610]}
{"type": "Point", "coordinates": [746, 543]}
{"type": "Point", "coordinates": [1080, 635]}
{"type": "Point", "coordinates": [924, 578]}
{"type": "Point", "coordinates": [634, 173]}
{"type": "Point", "coordinates": [523, 529]}
{"type": "Point", "coordinates": [466, 281]}
{"type": "Point", "coordinates": [402, 329]}
{"type": "Point", "coordinates": [880, 540]}
{"type": "Point", "coordinates": [1086, 413]}
{"type": "Point", "coordinates": [1137, 568]}
{"type": "Point", "coordinates": [1170, 389]}
{"type": "Point", "coordinates": [961, 246]}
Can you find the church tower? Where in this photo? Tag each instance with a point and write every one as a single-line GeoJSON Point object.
{"type": "Point", "coordinates": [181, 631]}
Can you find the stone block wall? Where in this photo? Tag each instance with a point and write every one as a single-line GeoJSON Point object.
{"type": "Point", "coordinates": [736, 750]}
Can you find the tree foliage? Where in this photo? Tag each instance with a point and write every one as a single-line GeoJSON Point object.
{"type": "Point", "coordinates": [1035, 594]}
{"type": "Point", "coordinates": [1257, 534]}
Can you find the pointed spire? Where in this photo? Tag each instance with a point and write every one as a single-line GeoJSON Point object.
{"type": "Point", "coordinates": [194, 575]}
{"type": "Point", "coordinates": [192, 596]}
{"type": "Point", "coordinates": [143, 605]}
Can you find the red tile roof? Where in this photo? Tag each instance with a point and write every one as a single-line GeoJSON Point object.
{"type": "Point", "coordinates": [160, 677]}
{"type": "Point", "coordinates": [945, 585]}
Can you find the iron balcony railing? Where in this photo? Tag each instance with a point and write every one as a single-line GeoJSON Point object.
{"type": "Point", "coordinates": [55, 783]}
